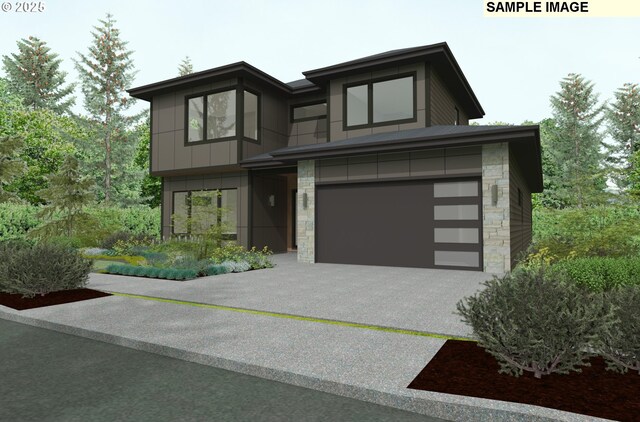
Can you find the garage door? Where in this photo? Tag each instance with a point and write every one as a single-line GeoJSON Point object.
{"type": "Point", "coordinates": [430, 224]}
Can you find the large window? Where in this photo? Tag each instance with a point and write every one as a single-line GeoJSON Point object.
{"type": "Point", "coordinates": [380, 102]}
{"type": "Point", "coordinates": [213, 116]}
{"type": "Point", "coordinates": [194, 212]}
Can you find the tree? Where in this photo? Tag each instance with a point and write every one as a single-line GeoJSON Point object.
{"type": "Point", "coordinates": [106, 71]}
{"type": "Point", "coordinates": [67, 195]}
{"type": "Point", "coordinates": [575, 143]}
{"type": "Point", "coordinates": [185, 67]}
{"type": "Point", "coordinates": [151, 187]}
{"type": "Point", "coordinates": [624, 127]}
{"type": "Point", "coordinates": [11, 166]}
{"type": "Point", "coordinates": [34, 75]}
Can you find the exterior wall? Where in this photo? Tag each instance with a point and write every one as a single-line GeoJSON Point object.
{"type": "Point", "coordinates": [273, 124]}
{"type": "Point", "coordinates": [307, 132]}
{"type": "Point", "coordinates": [443, 104]}
{"type": "Point", "coordinates": [438, 162]}
{"type": "Point", "coordinates": [306, 217]}
{"type": "Point", "coordinates": [520, 215]}
{"type": "Point", "coordinates": [218, 181]}
{"type": "Point", "coordinates": [168, 151]}
{"type": "Point", "coordinates": [336, 101]}
{"type": "Point", "coordinates": [496, 219]}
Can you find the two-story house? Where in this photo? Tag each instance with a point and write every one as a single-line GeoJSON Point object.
{"type": "Point", "coordinates": [369, 162]}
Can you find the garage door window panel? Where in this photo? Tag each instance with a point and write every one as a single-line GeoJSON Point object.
{"type": "Point", "coordinates": [457, 259]}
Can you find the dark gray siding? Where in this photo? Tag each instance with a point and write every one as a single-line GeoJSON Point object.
{"type": "Point", "coordinates": [239, 181]}
{"type": "Point", "coordinates": [273, 116]}
{"type": "Point", "coordinates": [336, 93]}
{"type": "Point", "coordinates": [443, 104]}
{"type": "Point", "coordinates": [439, 162]}
{"type": "Point", "coordinates": [310, 131]}
{"type": "Point", "coordinates": [520, 214]}
{"type": "Point", "coordinates": [167, 135]}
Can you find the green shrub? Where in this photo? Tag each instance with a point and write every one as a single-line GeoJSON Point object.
{"type": "Point", "coordinates": [41, 269]}
{"type": "Point", "coordinates": [256, 259]}
{"type": "Point", "coordinates": [215, 270]}
{"type": "Point", "coordinates": [16, 220]}
{"type": "Point", "coordinates": [236, 267]}
{"type": "Point", "coordinates": [620, 347]}
{"type": "Point", "coordinates": [532, 321]}
{"type": "Point", "coordinates": [67, 242]}
{"type": "Point", "coordinates": [611, 230]}
{"type": "Point", "coordinates": [598, 273]}
{"type": "Point", "coordinates": [167, 273]}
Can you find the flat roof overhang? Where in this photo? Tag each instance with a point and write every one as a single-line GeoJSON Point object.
{"type": "Point", "coordinates": [439, 55]}
{"type": "Point", "coordinates": [523, 140]}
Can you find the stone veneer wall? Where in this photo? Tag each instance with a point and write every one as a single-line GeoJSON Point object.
{"type": "Point", "coordinates": [305, 226]}
{"type": "Point", "coordinates": [496, 232]}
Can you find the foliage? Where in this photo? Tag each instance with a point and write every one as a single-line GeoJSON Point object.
{"type": "Point", "coordinates": [106, 72]}
{"type": "Point", "coordinates": [67, 195]}
{"type": "Point", "coordinates": [236, 266]}
{"type": "Point", "coordinates": [49, 138]}
{"type": "Point", "coordinates": [612, 230]}
{"type": "Point", "coordinates": [40, 269]}
{"type": "Point", "coordinates": [185, 67]}
{"type": "Point", "coordinates": [600, 273]}
{"type": "Point", "coordinates": [10, 166]}
{"type": "Point", "coordinates": [167, 273]}
{"type": "Point", "coordinates": [129, 259]}
{"type": "Point", "coordinates": [216, 270]}
{"type": "Point", "coordinates": [620, 347]}
{"type": "Point", "coordinates": [574, 144]}
{"type": "Point", "coordinates": [151, 187]}
{"type": "Point", "coordinates": [137, 219]}
{"type": "Point", "coordinates": [532, 321]}
{"type": "Point", "coordinates": [624, 128]}
{"type": "Point", "coordinates": [634, 176]}
{"type": "Point", "coordinates": [256, 259]}
{"type": "Point", "coordinates": [125, 247]}
{"type": "Point", "coordinates": [35, 76]}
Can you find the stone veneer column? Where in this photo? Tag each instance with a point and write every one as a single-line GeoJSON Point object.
{"type": "Point", "coordinates": [496, 232]}
{"type": "Point", "coordinates": [305, 226]}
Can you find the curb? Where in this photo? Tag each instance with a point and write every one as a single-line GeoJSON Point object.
{"type": "Point", "coordinates": [445, 406]}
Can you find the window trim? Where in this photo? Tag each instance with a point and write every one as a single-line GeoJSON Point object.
{"type": "Point", "coordinates": [369, 83]}
{"type": "Point", "coordinates": [259, 116]}
{"type": "Point", "coordinates": [239, 89]}
{"type": "Point", "coordinates": [218, 204]}
{"type": "Point", "coordinates": [309, 103]}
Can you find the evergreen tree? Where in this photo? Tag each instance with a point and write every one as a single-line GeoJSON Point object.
{"type": "Point", "coordinates": [35, 76]}
{"type": "Point", "coordinates": [10, 166]}
{"type": "Point", "coordinates": [575, 143]}
{"type": "Point", "coordinates": [624, 128]}
{"type": "Point", "coordinates": [67, 195]}
{"type": "Point", "coordinates": [151, 187]}
{"type": "Point", "coordinates": [106, 71]}
{"type": "Point", "coordinates": [185, 67]}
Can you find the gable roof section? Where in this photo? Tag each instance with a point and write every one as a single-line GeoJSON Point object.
{"type": "Point", "coordinates": [523, 140]}
{"type": "Point", "coordinates": [439, 55]}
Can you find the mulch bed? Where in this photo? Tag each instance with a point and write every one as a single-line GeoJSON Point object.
{"type": "Point", "coordinates": [16, 301]}
{"type": "Point", "coordinates": [464, 368]}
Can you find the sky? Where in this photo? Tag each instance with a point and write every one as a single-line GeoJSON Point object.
{"type": "Point", "coordinates": [513, 64]}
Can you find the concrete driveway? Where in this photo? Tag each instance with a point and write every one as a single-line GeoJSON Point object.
{"type": "Point", "coordinates": [404, 298]}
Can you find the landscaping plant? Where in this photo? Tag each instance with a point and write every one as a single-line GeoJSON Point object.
{"type": "Point", "coordinates": [620, 346]}
{"type": "Point", "coordinates": [600, 273]}
{"type": "Point", "coordinates": [42, 268]}
{"type": "Point", "coordinates": [532, 321]}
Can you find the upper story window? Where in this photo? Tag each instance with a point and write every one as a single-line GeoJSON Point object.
{"type": "Point", "coordinates": [213, 116]}
{"type": "Point", "coordinates": [312, 111]}
{"type": "Point", "coordinates": [380, 102]}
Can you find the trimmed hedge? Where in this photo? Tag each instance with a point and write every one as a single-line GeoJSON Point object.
{"type": "Point", "coordinates": [600, 273]}
{"type": "Point", "coordinates": [152, 272]}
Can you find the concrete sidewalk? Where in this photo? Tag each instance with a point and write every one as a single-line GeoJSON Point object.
{"type": "Point", "coordinates": [353, 362]}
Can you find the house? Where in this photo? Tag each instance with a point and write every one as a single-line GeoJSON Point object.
{"type": "Point", "coordinates": [370, 161]}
